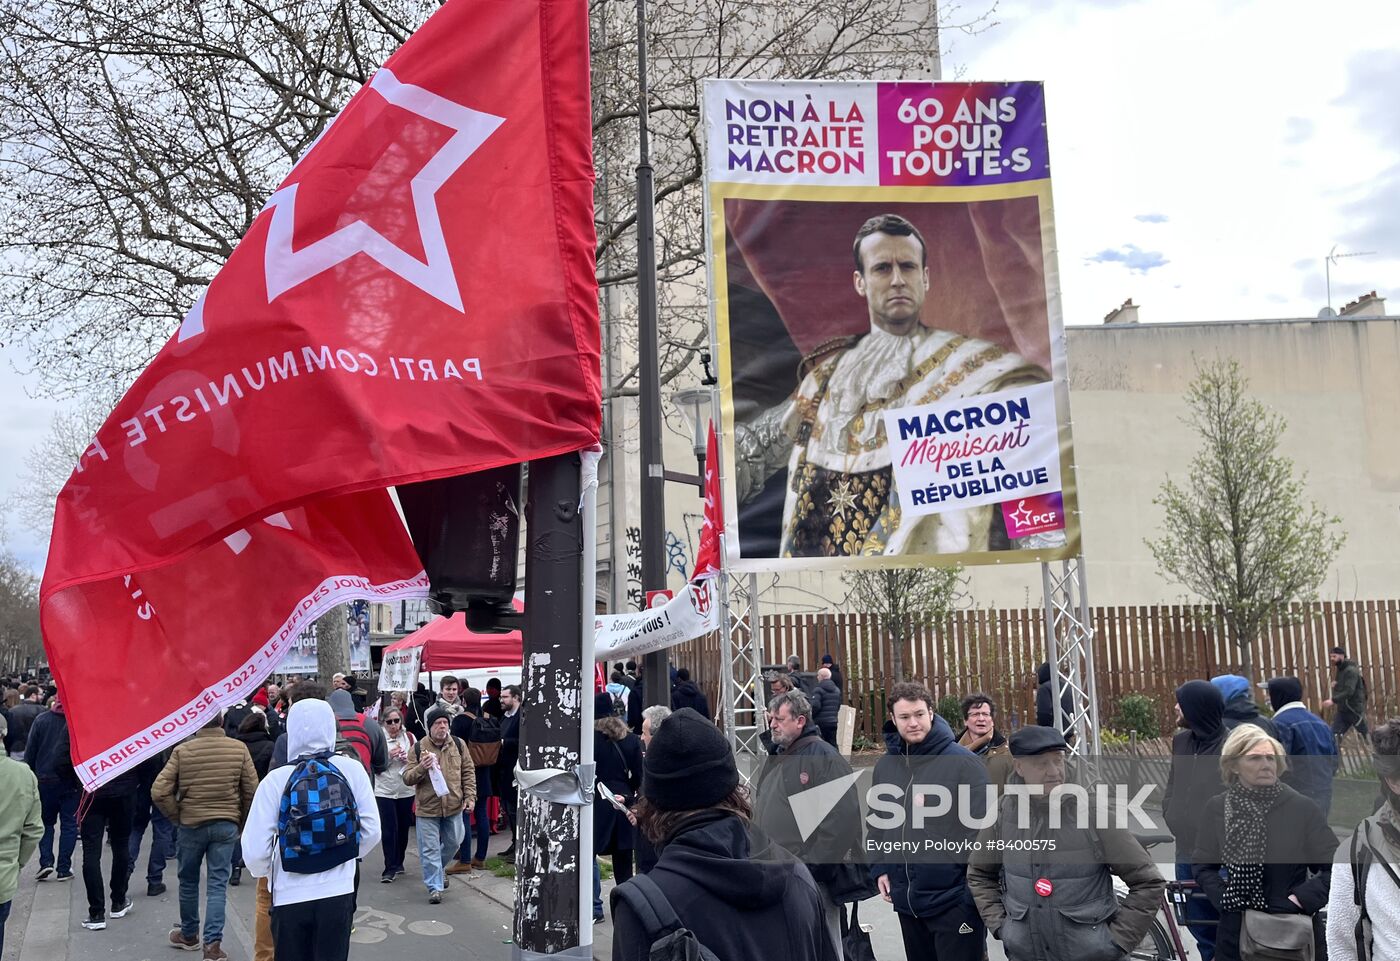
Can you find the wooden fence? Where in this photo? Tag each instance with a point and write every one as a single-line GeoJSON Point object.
{"type": "Point", "coordinates": [1137, 650]}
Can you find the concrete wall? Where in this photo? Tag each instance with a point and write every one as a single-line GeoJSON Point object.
{"type": "Point", "coordinates": [1336, 383]}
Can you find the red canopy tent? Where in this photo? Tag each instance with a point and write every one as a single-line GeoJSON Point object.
{"type": "Point", "coordinates": [448, 645]}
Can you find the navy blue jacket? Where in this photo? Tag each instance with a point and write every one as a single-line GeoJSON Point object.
{"type": "Point", "coordinates": [686, 694]}
{"type": "Point", "coordinates": [1312, 753]}
{"type": "Point", "coordinates": [46, 751]}
{"type": "Point", "coordinates": [826, 704]}
{"type": "Point", "coordinates": [930, 887]}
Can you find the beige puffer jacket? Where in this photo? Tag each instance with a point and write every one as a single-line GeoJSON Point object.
{"type": "Point", "coordinates": [208, 778]}
{"type": "Point", "coordinates": [457, 770]}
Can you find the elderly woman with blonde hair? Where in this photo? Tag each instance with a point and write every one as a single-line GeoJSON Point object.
{"type": "Point", "coordinates": [1263, 854]}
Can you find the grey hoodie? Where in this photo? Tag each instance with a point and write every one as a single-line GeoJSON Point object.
{"type": "Point", "coordinates": [344, 707]}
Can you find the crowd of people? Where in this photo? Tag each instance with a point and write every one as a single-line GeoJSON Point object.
{"type": "Point", "coordinates": [293, 786]}
{"type": "Point", "coordinates": [296, 785]}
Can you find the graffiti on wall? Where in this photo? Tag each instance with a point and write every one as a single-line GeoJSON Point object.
{"type": "Point", "coordinates": [677, 559]}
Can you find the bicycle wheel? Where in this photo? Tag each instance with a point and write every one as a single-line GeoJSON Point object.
{"type": "Point", "coordinates": [1156, 946]}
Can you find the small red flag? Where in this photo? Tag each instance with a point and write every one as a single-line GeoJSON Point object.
{"type": "Point", "coordinates": [417, 300]}
{"type": "Point", "coordinates": [707, 556]}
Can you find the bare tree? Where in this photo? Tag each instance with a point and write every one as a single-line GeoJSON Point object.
{"type": "Point", "coordinates": [906, 600]}
{"type": "Point", "coordinates": [20, 642]}
{"type": "Point", "coordinates": [1240, 532]}
{"type": "Point", "coordinates": [49, 464]}
{"type": "Point", "coordinates": [142, 138]}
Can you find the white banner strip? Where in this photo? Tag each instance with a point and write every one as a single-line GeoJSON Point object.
{"type": "Point", "coordinates": [691, 613]}
{"type": "Point", "coordinates": [194, 714]}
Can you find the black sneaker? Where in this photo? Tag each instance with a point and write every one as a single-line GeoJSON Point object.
{"type": "Point", "coordinates": [235, 877]}
{"type": "Point", "coordinates": [95, 922]}
{"type": "Point", "coordinates": [387, 877]}
{"type": "Point", "coordinates": [44, 874]}
{"type": "Point", "coordinates": [123, 909]}
{"type": "Point", "coordinates": [155, 890]}
{"type": "Point", "coordinates": [64, 876]}
{"type": "Point", "coordinates": [435, 897]}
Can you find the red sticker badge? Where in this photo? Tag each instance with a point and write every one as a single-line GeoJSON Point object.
{"type": "Point", "coordinates": [1043, 887]}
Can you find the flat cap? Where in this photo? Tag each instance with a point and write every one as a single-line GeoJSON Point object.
{"type": "Point", "coordinates": [1036, 740]}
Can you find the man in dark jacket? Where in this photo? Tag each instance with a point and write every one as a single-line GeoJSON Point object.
{"type": "Point", "coordinates": [1312, 750]}
{"type": "Point", "coordinates": [361, 732]}
{"type": "Point", "coordinates": [108, 814]}
{"type": "Point", "coordinates": [1009, 882]}
{"type": "Point", "coordinates": [687, 694]}
{"type": "Point", "coordinates": [829, 663]}
{"type": "Point", "coordinates": [503, 777]}
{"type": "Point", "coordinates": [22, 717]}
{"type": "Point", "coordinates": [739, 897]}
{"type": "Point", "coordinates": [1348, 697]}
{"type": "Point", "coordinates": [1194, 779]}
{"type": "Point", "coordinates": [826, 705]}
{"type": "Point", "coordinates": [937, 916]}
{"type": "Point", "coordinates": [1239, 705]}
{"type": "Point", "coordinates": [803, 760]}
{"type": "Point", "coordinates": [59, 792]}
{"type": "Point", "coordinates": [144, 812]}
{"type": "Point", "coordinates": [1045, 700]}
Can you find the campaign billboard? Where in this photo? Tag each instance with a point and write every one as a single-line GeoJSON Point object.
{"type": "Point", "coordinates": [887, 325]}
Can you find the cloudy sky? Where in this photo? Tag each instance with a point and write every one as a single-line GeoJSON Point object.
{"type": "Point", "coordinates": [1207, 155]}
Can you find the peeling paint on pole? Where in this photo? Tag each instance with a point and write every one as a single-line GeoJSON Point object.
{"type": "Point", "coordinates": [547, 906]}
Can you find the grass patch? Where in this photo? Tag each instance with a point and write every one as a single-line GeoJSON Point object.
{"type": "Point", "coordinates": [605, 869]}
{"type": "Point", "coordinates": [500, 868]}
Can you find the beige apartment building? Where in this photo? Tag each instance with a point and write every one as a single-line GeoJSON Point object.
{"type": "Point", "coordinates": [1336, 383]}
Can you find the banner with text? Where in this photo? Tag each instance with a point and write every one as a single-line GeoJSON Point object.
{"type": "Point", "coordinates": [399, 670]}
{"type": "Point", "coordinates": [886, 319]}
{"type": "Point", "coordinates": [690, 614]}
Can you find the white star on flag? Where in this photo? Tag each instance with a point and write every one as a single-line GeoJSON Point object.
{"type": "Point", "coordinates": [287, 267]}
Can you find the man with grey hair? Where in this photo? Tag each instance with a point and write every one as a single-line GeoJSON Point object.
{"type": "Point", "coordinates": [826, 705]}
{"type": "Point", "coordinates": [652, 719]}
{"type": "Point", "coordinates": [802, 761]}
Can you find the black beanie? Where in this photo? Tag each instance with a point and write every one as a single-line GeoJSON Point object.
{"type": "Point", "coordinates": [688, 764]}
{"type": "Point", "coordinates": [1284, 690]}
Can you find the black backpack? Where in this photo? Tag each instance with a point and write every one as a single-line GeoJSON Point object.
{"type": "Point", "coordinates": [484, 740]}
{"type": "Point", "coordinates": [1363, 855]}
{"type": "Point", "coordinates": [670, 941]}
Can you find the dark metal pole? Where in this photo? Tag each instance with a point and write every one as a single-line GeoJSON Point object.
{"type": "Point", "coordinates": [547, 912]}
{"type": "Point", "coordinates": [656, 688]}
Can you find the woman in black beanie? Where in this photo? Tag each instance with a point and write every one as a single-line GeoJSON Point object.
{"type": "Point", "coordinates": [738, 895]}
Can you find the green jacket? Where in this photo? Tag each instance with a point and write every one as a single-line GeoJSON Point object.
{"type": "Point", "coordinates": [20, 825]}
{"type": "Point", "coordinates": [1349, 689]}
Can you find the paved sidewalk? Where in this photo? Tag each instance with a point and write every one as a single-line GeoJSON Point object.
{"type": "Point", "coordinates": [394, 922]}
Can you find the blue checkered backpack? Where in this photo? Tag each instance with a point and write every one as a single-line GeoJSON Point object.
{"type": "Point", "coordinates": [318, 825]}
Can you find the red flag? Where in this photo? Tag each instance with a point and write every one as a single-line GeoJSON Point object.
{"type": "Point", "coordinates": [707, 557]}
{"type": "Point", "coordinates": [417, 300]}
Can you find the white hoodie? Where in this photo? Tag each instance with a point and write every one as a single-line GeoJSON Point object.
{"type": "Point", "coordinates": [310, 730]}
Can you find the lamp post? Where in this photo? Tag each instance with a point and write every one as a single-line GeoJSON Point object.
{"type": "Point", "coordinates": [655, 686]}
{"type": "Point", "coordinates": [690, 404]}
